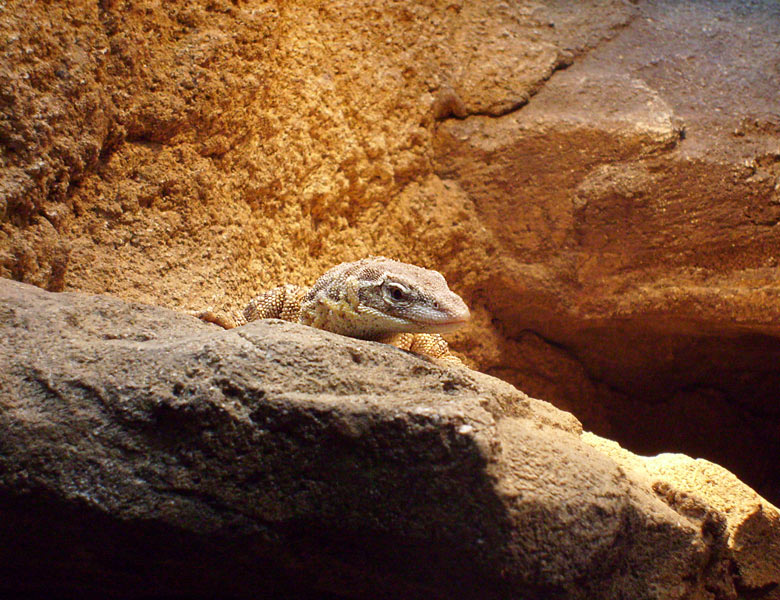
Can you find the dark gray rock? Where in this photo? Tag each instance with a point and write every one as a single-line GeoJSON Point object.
{"type": "Point", "coordinates": [144, 453]}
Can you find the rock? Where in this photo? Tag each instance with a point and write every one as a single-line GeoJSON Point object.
{"type": "Point", "coordinates": [707, 492]}
{"type": "Point", "coordinates": [143, 452]}
{"type": "Point", "coordinates": [601, 185]}
{"type": "Point", "coordinates": [630, 215]}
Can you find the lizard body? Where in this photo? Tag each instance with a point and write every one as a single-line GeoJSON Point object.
{"type": "Point", "coordinates": [375, 298]}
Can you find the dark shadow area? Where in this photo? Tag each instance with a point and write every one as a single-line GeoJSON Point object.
{"type": "Point", "coordinates": [54, 549]}
{"type": "Point", "coordinates": [708, 396]}
{"type": "Point", "coordinates": [712, 397]}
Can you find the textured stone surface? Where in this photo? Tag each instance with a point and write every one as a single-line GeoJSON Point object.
{"type": "Point", "coordinates": [600, 183]}
{"type": "Point", "coordinates": [634, 207]}
{"type": "Point", "coordinates": [145, 452]}
{"type": "Point", "coordinates": [706, 492]}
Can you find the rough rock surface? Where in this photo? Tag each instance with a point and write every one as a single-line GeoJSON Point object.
{"type": "Point", "coordinates": [640, 255]}
{"type": "Point", "coordinates": [600, 184]}
{"type": "Point", "coordinates": [143, 452]}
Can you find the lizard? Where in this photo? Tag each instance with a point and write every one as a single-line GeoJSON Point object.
{"type": "Point", "coordinates": [375, 298]}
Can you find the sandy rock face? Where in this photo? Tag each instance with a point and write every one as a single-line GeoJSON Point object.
{"type": "Point", "coordinates": [146, 452]}
{"type": "Point", "coordinates": [255, 143]}
{"type": "Point", "coordinates": [600, 184]}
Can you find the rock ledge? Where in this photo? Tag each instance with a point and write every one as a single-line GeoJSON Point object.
{"type": "Point", "coordinates": [145, 453]}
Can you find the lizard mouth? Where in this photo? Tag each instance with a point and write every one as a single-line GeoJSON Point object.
{"type": "Point", "coordinates": [444, 326]}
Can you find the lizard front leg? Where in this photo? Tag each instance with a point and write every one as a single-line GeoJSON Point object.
{"type": "Point", "coordinates": [431, 345]}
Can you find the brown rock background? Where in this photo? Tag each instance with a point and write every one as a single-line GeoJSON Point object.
{"type": "Point", "coordinates": [599, 180]}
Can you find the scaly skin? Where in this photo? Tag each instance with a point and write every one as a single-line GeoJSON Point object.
{"type": "Point", "coordinates": [374, 299]}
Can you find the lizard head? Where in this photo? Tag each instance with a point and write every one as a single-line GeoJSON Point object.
{"type": "Point", "coordinates": [400, 298]}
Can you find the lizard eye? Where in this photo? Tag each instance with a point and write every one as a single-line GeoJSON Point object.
{"type": "Point", "coordinates": [397, 292]}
